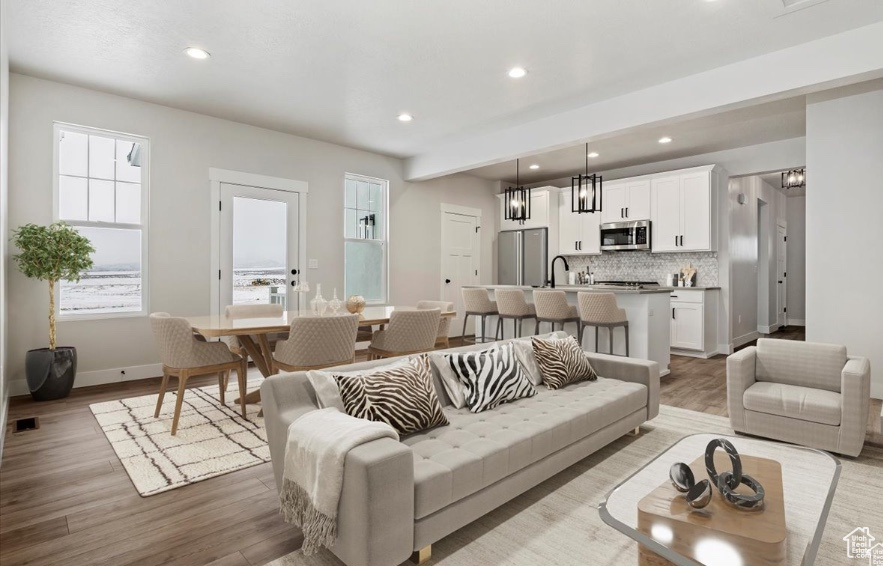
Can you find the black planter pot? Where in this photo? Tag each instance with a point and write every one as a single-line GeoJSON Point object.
{"type": "Point", "coordinates": [51, 373]}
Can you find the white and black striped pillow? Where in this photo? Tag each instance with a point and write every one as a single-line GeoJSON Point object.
{"type": "Point", "coordinates": [403, 397]}
{"type": "Point", "coordinates": [562, 362]}
{"type": "Point", "coordinates": [491, 378]}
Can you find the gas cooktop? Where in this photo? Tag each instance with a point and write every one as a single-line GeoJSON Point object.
{"type": "Point", "coordinates": [628, 284]}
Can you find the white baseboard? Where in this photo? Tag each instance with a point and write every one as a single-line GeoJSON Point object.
{"type": "Point", "coordinates": [725, 349]}
{"type": "Point", "coordinates": [768, 329]}
{"type": "Point", "coordinates": [98, 377]}
{"type": "Point", "coordinates": [746, 338]}
{"type": "Point", "coordinates": [796, 322]}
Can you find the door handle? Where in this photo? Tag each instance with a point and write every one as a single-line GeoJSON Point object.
{"type": "Point", "coordinates": [447, 281]}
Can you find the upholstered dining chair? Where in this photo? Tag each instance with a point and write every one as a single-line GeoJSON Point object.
{"type": "Point", "coordinates": [476, 302]}
{"type": "Point", "coordinates": [316, 342]}
{"type": "Point", "coordinates": [512, 304]}
{"type": "Point", "coordinates": [444, 323]}
{"type": "Point", "coordinates": [552, 307]}
{"type": "Point", "coordinates": [600, 310]}
{"type": "Point", "coordinates": [408, 332]}
{"type": "Point", "coordinates": [183, 356]}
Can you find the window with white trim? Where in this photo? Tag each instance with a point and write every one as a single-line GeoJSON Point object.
{"type": "Point", "coordinates": [101, 186]}
{"type": "Point", "coordinates": [365, 237]}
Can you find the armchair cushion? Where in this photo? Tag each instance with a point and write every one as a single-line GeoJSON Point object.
{"type": "Point", "coordinates": [794, 401]}
{"type": "Point", "coordinates": [806, 364]}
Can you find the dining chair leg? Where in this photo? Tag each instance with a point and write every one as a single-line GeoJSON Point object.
{"type": "Point", "coordinates": [227, 378]}
{"type": "Point", "coordinates": [221, 386]}
{"type": "Point", "coordinates": [162, 392]}
{"type": "Point", "coordinates": [182, 386]}
{"type": "Point", "coordinates": [242, 377]}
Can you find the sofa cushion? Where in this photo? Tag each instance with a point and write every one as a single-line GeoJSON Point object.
{"type": "Point", "coordinates": [806, 364]}
{"type": "Point", "coordinates": [562, 362]}
{"type": "Point", "coordinates": [477, 450]}
{"type": "Point", "coordinates": [491, 378]}
{"type": "Point", "coordinates": [793, 401]}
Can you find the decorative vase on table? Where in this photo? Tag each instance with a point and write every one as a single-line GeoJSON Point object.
{"type": "Point", "coordinates": [355, 304]}
{"type": "Point", "coordinates": [319, 304]}
{"type": "Point", "coordinates": [334, 304]}
{"type": "Point", "coordinates": [50, 373]}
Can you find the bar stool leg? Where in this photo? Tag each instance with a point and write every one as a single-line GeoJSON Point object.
{"type": "Point", "coordinates": [596, 337]}
{"type": "Point", "coordinates": [626, 327]}
{"type": "Point", "coordinates": [610, 338]}
{"type": "Point", "coordinates": [499, 329]}
{"type": "Point", "coordinates": [536, 329]}
{"type": "Point", "coordinates": [465, 318]}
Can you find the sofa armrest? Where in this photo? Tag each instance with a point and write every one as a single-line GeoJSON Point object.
{"type": "Point", "coordinates": [741, 368]}
{"type": "Point", "coordinates": [376, 512]}
{"type": "Point", "coordinates": [634, 370]}
{"type": "Point", "coordinates": [855, 392]}
{"type": "Point", "coordinates": [285, 397]}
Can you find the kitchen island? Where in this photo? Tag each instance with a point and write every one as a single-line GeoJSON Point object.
{"type": "Point", "coordinates": [647, 310]}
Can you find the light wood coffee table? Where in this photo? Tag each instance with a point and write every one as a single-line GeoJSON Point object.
{"type": "Point", "coordinates": [668, 532]}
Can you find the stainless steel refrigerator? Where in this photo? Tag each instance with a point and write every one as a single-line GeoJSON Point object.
{"type": "Point", "coordinates": [523, 257]}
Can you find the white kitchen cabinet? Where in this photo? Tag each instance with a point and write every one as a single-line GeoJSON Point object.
{"type": "Point", "coordinates": [683, 210]}
{"type": "Point", "coordinates": [694, 322]}
{"type": "Point", "coordinates": [578, 234]}
{"type": "Point", "coordinates": [625, 200]}
{"type": "Point", "coordinates": [540, 201]}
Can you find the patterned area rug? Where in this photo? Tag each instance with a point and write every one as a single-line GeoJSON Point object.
{"type": "Point", "coordinates": [212, 439]}
{"type": "Point", "coordinates": [557, 522]}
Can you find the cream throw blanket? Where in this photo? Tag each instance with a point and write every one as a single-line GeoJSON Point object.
{"type": "Point", "coordinates": [318, 443]}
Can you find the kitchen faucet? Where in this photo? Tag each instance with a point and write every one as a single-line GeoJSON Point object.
{"type": "Point", "coordinates": [566, 268]}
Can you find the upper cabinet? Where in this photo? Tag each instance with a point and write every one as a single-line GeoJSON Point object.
{"type": "Point", "coordinates": [624, 200]}
{"type": "Point", "coordinates": [683, 210]}
{"type": "Point", "coordinates": [540, 204]}
{"type": "Point", "coordinates": [578, 234]}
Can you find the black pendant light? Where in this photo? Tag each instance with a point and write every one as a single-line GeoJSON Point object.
{"type": "Point", "coordinates": [794, 179]}
{"type": "Point", "coordinates": [517, 200]}
{"type": "Point", "coordinates": [585, 191]}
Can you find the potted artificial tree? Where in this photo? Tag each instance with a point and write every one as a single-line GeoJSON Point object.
{"type": "Point", "coordinates": [52, 253]}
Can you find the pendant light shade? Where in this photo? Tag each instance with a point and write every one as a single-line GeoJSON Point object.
{"type": "Point", "coordinates": [794, 179]}
{"type": "Point", "coordinates": [517, 200]}
{"type": "Point", "coordinates": [585, 191]}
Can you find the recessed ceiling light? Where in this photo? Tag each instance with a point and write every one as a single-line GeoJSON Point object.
{"type": "Point", "coordinates": [197, 53]}
{"type": "Point", "coordinates": [517, 72]}
{"type": "Point", "coordinates": [405, 117]}
{"type": "Point", "coordinates": [534, 166]}
{"type": "Point", "coordinates": [665, 139]}
{"type": "Point", "coordinates": [593, 155]}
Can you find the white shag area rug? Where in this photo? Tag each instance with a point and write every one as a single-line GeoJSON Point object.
{"type": "Point", "coordinates": [557, 522]}
{"type": "Point", "coordinates": [212, 439]}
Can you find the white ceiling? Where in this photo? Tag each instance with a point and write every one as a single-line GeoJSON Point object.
{"type": "Point", "coordinates": [762, 123]}
{"type": "Point", "coordinates": [343, 70]}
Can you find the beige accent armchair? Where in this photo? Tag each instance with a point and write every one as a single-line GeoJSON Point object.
{"type": "Point", "coordinates": [184, 356]}
{"type": "Point", "coordinates": [800, 392]}
{"type": "Point", "coordinates": [444, 324]}
{"type": "Point", "coordinates": [409, 332]}
{"type": "Point", "coordinates": [317, 342]}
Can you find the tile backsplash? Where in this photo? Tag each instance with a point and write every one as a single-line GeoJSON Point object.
{"type": "Point", "coordinates": [646, 266]}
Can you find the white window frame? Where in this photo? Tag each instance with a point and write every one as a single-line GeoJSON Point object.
{"type": "Point", "coordinates": [384, 242]}
{"type": "Point", "coordinates": [58, 127]}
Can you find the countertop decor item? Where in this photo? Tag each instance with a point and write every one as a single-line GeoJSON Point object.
{"type": "Point", "coordinates": [51, 253]}
{"type": "Point", "coordinates": [355, 304]}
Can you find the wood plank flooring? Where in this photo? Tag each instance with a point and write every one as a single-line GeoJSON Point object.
{"type": "Point", "coordinates": [65, 498]}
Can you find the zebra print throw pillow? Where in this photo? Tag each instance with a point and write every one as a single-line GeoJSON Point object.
{"type": "Point", "coordinates": [491, 377]}
{"type": "Point", "coordinates": [562, 362]}
{"type": "Point", "coordinates": [403, 397]}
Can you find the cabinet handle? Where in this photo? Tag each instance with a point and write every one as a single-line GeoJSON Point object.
{"type": "Point", "coordinates": [682, 240]}
{"type": "Point", "coordinates": [676, 240]}
{"type": "Point", "coordinates": [575, 245]}
{"type": "Point", "coordinates": [580, 245]}
{"type": "Point", "coordinates": [622, 213]}
{"type": "Point", "coordinates": [672, 314]}
{"type": "Point", "coordinates": [626, 212]}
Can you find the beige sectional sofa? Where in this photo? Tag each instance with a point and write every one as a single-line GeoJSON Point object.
{"type": "Point", "coordinates": [400, 497]}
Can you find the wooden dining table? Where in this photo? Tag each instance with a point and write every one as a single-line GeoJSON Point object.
{"type": "Point", "coordinates": [253, 332]}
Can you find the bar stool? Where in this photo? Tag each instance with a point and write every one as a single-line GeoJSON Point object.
{"type": "Point", "coordinates": [599, 310]}
{"type": "Point", "coordinates": [477, 303]}
{"type": "Point", "coordinates": [552, 307]}
{"type": "Point", "coordinates": [511, 304]}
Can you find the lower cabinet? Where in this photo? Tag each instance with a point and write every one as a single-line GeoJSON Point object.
{"type": "Point", "coordinates": [694, 321]}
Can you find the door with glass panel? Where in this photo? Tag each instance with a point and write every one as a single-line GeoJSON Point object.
{"type": "Point", "coordinates": [259, 246]}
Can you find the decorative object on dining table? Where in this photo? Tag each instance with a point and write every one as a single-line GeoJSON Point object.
{"type": "Point", "coordinates": [698, 495]}
{"type": "Point", "coordinates": [334, 304]}
{"type": "Point", "coordinates": [318, 304]}
{"type": "Point", "coordinates": [356, 304]}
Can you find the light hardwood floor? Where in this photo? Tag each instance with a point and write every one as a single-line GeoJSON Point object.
{"type": "Point", "coordinates": [65, 498]}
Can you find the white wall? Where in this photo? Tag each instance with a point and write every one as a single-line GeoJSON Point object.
{"type": "Point", "coordinates": [184, 146]}
{"type": "Point", "coordinates": [796, 260]}
{"type": "Point", "coordinates": [4, 230]}
{"type": "Point", "coordinates": [844, 264]}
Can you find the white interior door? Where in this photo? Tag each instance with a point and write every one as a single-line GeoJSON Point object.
{"type": "Point", "coordinates": [460, 260]}
{"type": "Point", "coordinates": [781, 287]}
{"type": "Point", "coordinates": [259, 261]}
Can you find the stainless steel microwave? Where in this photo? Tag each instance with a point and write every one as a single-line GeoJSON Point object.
{"type": "Point", "coordinates": [620, 236]}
